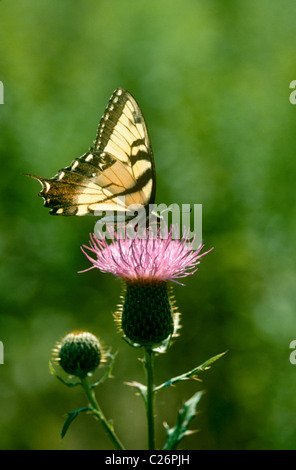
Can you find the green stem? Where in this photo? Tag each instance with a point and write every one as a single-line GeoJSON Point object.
{"type": "Point", "coordinates": [148, 362]}
{"type": "Point", "coordinates": [96, 410]}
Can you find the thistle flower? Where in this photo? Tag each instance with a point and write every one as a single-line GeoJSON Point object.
{"type": "Point", "coordinates": [79, 353]}
{"type": "Point", "coordinates": [146, 265]}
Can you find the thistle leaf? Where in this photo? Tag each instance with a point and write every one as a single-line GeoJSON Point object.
{"type": "Point", "coordinates": [192, 374]}
{"type": "Point", "coordinates": [142, 389]}
{"type": "Point", "coordinates": [70, 417]}
{"type": "Point", "coordinates": [180, 430]}
{"type": "Point", "coordinates": [69, 384]}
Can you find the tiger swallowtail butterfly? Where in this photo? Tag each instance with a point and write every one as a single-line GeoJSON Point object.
{"type": "Point", "coordinates": [119, 164]}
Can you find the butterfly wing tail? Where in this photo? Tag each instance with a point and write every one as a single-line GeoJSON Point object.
{"type": "Point", "coordinates": [55, 196]}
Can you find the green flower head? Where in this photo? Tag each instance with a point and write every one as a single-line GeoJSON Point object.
{"type": "Point", "coordinates": [79, 353]}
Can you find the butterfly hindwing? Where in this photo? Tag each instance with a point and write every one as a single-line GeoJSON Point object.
{"type": "Point", "coordinates": [120, 164]}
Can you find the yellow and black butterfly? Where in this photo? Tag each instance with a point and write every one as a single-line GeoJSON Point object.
{"type": "Point", "coordinates": [119, 167]}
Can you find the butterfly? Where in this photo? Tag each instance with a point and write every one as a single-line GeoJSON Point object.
{"type": "Point", "coordinates": [116, 173]}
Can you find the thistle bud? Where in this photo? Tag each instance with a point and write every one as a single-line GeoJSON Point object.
{"type": "Point", "coordinates": [78, 353]}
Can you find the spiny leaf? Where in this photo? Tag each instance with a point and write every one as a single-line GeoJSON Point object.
{"type": "Point", "coordinates": [191, 374]}
{"type": "Point", "coordinates": [69, 384]}
{"type": "Point", "coordinates": [142, 389]}
{"type": "Point", "coordinates": [71, 416]}
{"type": "Point", "coordinates": [180, 430]}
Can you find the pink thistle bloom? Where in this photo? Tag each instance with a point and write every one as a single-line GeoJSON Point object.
{"type": "Point", "coordinates": [144, 259]}
{"type": "Point", "coordinates": [147, 314]}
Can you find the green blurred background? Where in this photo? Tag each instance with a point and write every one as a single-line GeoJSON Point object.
{"type": "Point", "coordinates": [212, 79]}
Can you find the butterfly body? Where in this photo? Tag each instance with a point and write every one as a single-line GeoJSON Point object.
{"type": "Point", "coordinates": [116, 173]}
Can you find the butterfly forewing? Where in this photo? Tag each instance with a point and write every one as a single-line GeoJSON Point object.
{"type": "Point", "coordinates": [122, 133]}
{"type": "Point", "coordinates": [120, 164]}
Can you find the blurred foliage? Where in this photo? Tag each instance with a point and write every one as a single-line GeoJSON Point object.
{"type": "Point", "coordinates": [212, 79]}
